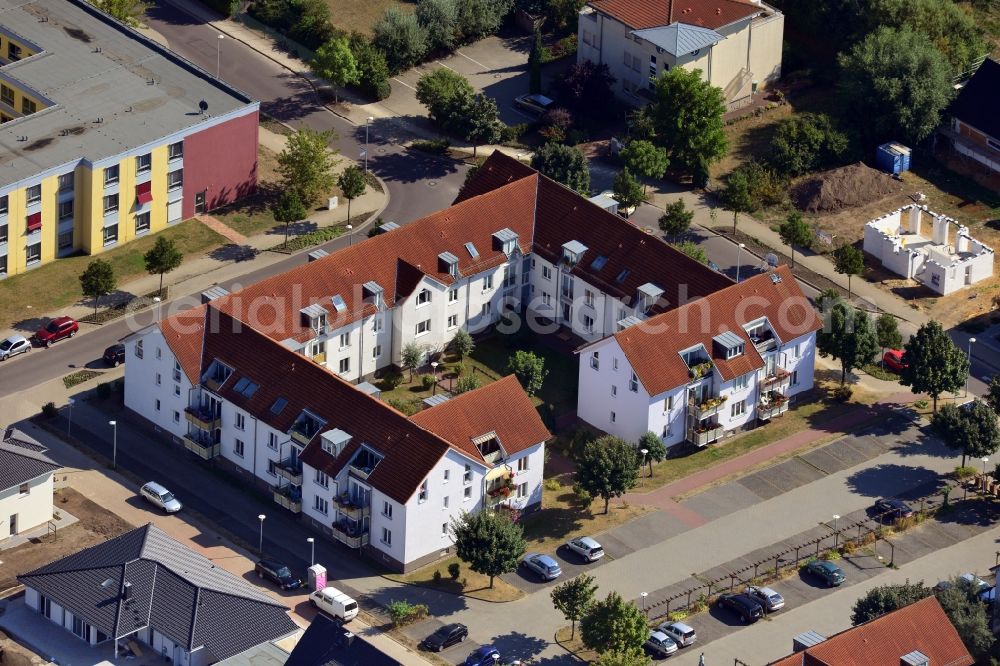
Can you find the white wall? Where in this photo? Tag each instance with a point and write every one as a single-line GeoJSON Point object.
{"type": "Point", "coordinates": [32, 509]}
{"type": "Point", "coordinates": [605, 392]}
{"type": "Point", "coordinates": [142, 390]}
{"type": "Point", "coordinates": [669, 422]}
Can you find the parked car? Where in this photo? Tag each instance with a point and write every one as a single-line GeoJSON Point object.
{"type": "Point", "coordinates": [115, 355]}
{"type": "Point", "coordinates": [766, 597]}
{"type": "Point", "coordinates": [892, 508]}
{"type": "Point", "coordinates": [543, 565]}
{"type": "Point", "coordinates": [893, 359]}
{"type": "Point", "coordinates": [681, 633]}
{"type": "Point", "coordinates": [587, 548]}
{"type": "Point", "coordinates": [277, 573]}
{"type": "Point", "coordinates": [335, 603]}
{"type": "Point", "coordinates": [982, 589]}
{"type": "Point", "coordinates": [748, 608]}
{"type": "Point", "coordinates": [160, 497]}
{"type": "Point", "coordinates": [659, 644]}
{"type": "Point", "coordinates": [534, 104]}
{"type": "Point", "coordinates": [56, 330]}
{"type": "Point", "coordinates": [828, 572]}
{"type": "Point", "coordinates": [487, 655]}
{"type": "Point", "coordinates": [14, 345]}
{"type": "Point", "coordinates": [445, 637]}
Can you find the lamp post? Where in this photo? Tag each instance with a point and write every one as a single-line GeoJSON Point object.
{"type": "Point", "coordinates": [645, 453]}
{"type": "Point", "coordinates": [218, 55]}
{"type": "Point", "coordinates": [739, 255]}
{"type": "Point", "coordinates": [434, 372]}
{"type": "Point", "coordinates": [156, 305]}
{"type": "Point", "coordinates": [971, 341]}
{"type": "Point", "coordinates": [368, 121]}
{"type": "Point", "coordinates": [312, 551]}
{"type": "Point", "coordinates": [114, 444]}
{"type": "Point", "coordinates": [350, 234]}
{"type": "Point", "coordinates": [985, 460]}
{"type": "Point", "coordinates": [836, 534]}
{"type": "Point", "coordinates": [644, 595]}
{"type": "Point", "coordinates": [260, 541]}
{"type": "Point", "coordinates": [69, 423]}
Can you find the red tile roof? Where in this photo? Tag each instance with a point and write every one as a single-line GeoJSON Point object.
{"type": "Point", "coordinates": [921, 626]}
{"type": "Point", "coordinates": [183, 333]}
{"type": "Point", "coordinates": [652, 347]}
{"type": "Point", "coordinates": [641, 14]}
{"type": "Point", "coordinates": [501, 407]}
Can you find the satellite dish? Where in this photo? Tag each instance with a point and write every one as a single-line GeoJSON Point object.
{"type": "Point", "coordinates": [203, 105]}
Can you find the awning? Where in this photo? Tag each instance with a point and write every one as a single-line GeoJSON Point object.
{"type": "Point", "coordinates": [143, 192]}
{"type": "Point", "coordinates": [34, 222]}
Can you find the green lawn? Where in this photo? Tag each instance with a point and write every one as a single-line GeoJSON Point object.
{"type": "Point", "coordinates": [57, 284]}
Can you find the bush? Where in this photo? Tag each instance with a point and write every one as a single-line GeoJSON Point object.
{"type": "Point", "coordinates": [49, 410]}
{"type": "Point", "coordinates": [766, 186]}
{"type": "Point", "coordinates": [104, 390]}
{"type": "Point", "coordinates": [392, 380]}
{"type": "Point", "coordinates": [439, 18]}
{"type": "Point", "coordinates": [403, 612]}
{"type": "Point", "coordinates": [806, 142]}
{"type": "Point", "coordinates": [432, 146]}
{"type": "Point", "coordinates": [466, 383]}
{"type": "Point", "coordinates": [454, 569]}
{"type": "Point", "coordinates": [967, 472]}
{"type": "Point", "coordinates": [831, 555]}
{"type": "Point", "coordinates": [400, 38]}
{"type": "Point", "coordinates": [373, 72]}
{"type": "Point", "coordinates": [843, 393]}
{"type": "Point", "coordinates": [920, 404]}
{"type": "Point", "coordinates": [513, 133]}
{"type": "Point", "coordinates": [304, 21]}
{"type": "Point", "coordinates": [581, 497]}
{"type": "Point", "coordinates": [408, 407]}
{"type": "Point", "coordinates": [552, 484]}
{"type": "Point", "coordinates": [427, 381]}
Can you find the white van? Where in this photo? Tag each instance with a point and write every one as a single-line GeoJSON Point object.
{"type": "Point", "coordinates": [333, 602]}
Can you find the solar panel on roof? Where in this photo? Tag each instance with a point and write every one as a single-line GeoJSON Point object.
{"type": "Point", "coordinates": [473, 252]}
{"type": "Point", "coordinates": [338, 303]}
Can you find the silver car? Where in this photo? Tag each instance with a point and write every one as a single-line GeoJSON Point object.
{"type": "Point", "coordinates": [681, 633]}
{"type": "Point", "coordinates": [14, 345]}
{"type": "Point", "coordinates": [159, 496]}
{"type": "Point", "coordinates": [766, 597]}
{"type": "Point", "coordinates": [660, 644]}
{"type": "Point", "coordinates": [587, 548]}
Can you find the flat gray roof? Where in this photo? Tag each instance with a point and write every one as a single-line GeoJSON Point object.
{"type": "Point", "coordinates": [92, 67]}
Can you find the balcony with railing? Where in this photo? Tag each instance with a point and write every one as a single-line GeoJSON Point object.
{"type": "Point", "coordinates": [772, 404]}
{"type": "Point", "coordinates": [351, 533]}
{"type": "Point", "coordinates": [703, 436]}
{"type": "Point", "coordinates": [777, 379]}
{"type": "Point", "coordinates": [202, 417]}
{"type": "Point", "coordinates": [698, 363]}
{"type": "Point", "coordinates": [202, 444]}
{"type": "Point", "coordinates": [354, 508]}
{"type": "Point", "coordinates": [709, 408]}
{"type": "Point", "coordinates": [763, 339]}
{"type": "Point", "coordinates": [289, 469]}
{"type": "Point", "coordinates": [500, 488]}
{"type": "Point", "coordinates": [289, 497]}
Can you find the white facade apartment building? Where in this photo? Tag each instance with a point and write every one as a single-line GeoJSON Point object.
{"type": "Point", "coordinates": [736, 44]}
{"type": "Point", "coordinates": [704, 370]}
{"type": "Point", "coordinates": [25, 484]}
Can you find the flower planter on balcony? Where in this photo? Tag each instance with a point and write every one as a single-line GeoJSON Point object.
{"type": "Point", "coordinates": [709, 408]}
{"type": "Point", "coordinates": [299, 437]}
{"type": "Point", "coordinates": [292, 504]}
{"type": "Point", "coordinates": [206, 450]}
{"type": "Point", "coordinates": [708, 436]}
{"type": "Point", "coordinates": [289, 472]}
{"type": "Point", "coordinates": [780, 379]}
{"type": "Point", "coordinates": [349, 540]}
{"type": "Point", "coordinates": [767, 412]}
{"type": "Point", "coordinates": [351, 510]}
{"type": "Point", "coordinates": [203, 419]}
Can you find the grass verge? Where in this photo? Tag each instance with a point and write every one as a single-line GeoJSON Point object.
{"type": "Point", "coordinates": [79, 377]}
{"type": "Point", "coordinates": [574, 645]}
{"type": "Point", "coordinates": [469, 583]}
{"type": "Point", "coordinates": [878, 372]}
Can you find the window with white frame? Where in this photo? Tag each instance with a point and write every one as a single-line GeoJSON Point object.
{"type": "Point", "coordinates": [467, 477]}
{"type": "Point", "coordinates": [444, 529]}
{"type": "Point", "coordinates": [546, 272]}
{"type": "Point", "coordinates": [321, 478]}
{"type": "Point", "coordinates": [159, 380]}
{"type": "Point", "coordinates": [452, 321]}
{"type": "Point", "coordinates": [738, 409]}
{"type": "Point", "coordinates": [157, 404]}
{"type": "Point", "coordinates": [588, 323]}
{"type": "Point", "coordinates": [111, 234]}
{"type": "Point", "coordinates": [110, 203]}
{"type": "Point", "coordinates": [453, 295]}
{"type": "Point", "coordinates": [633, 383]}
{"type": "Point", "coordinates": [66, 210]}
{"type": "Point", "coordinates": [34, 194]}
{"type": "Point", "coordinates": [595, 360]}
{"type": "Point", "coordinates": [796, 350]}
{"type": "Point", "coordinates": [668, 404]}
{"type": "Point", "coordinates": [614, 417]}
{"type": "Point", "coordinates": [467, 493]}
{"type": "Point", "coordinates": [614, 364]}
{"type": "Point", "coordinates": [522, 490]}
{"type": "Point", "coordinates": [177, 371]}
{"type": "Point", "coordinates": [447, 475]}
{"type": "Point", "coordinates": [110, 175]}
{"type": "Point", "coordinates": [422, 494]}
{"type": "Point", "coordinates": [546, 299]}
{"type": "Point", "coordinates": [795, 377]}
{"type": "Point", "coordinates": [588, 297]}
{"type": "Point", "coordinates": [177, 390]}
{"type": "Point", "coordinates": [614, 390]}
{"type": "Point", "coordinates": [321, 505]}
{"type": "Point", "coordinates": [238, 447]}
{"type": "Point", "coordinates": [741, 382]}
{"type": "Point", "coordinates": [376, 351]}
{"type": "Point", "coordinates": [175, 151]}
{"type": "Point", "coordinates": [387, 536]}
{"type": "Point", "coordinates": [241, 421]}
{"type": "Point", "coordinates": [272, 441]}
{"type": "Point", "coordinates": [387, 509]}
{"type": "Point", "coordinates": [143, 163]}
{"type": "Point", "coordinates": [486, 309]}
{"type": "Point", "coordinates": [522, 464]}
{"type": "Point", "coordinates": [142, 223]}
{"type": "Point", "coordinates": [423, 327]}
{"type": "Point", "coordinates": [423, 297]}
{"type": "Point", "coordinates": [345, 365]}
{"type": "Point", "coordinates": [66, 182]}
{"type": "Point", "coordinates": [444, 502]}
{"type": "Point", "coordinates": [488, 282]}
{"type": "Point", "coordinates": [377, 325]}
{"type": "Point", "coordinates": [138, 348]}
{"type": "Point", "coordinates": [175, 180]}
{"type": "Point", "coordinates": [271, 467]}
{"type": "Point", "coordinates": [345, 340]}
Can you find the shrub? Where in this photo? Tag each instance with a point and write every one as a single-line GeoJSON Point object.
{"type": "Point", "coordinates": [408, 407]}
{"type": "Point", "coordinates": [806, 142]}
{"type": "Point", "coordinates": [552, 484]}
{"type": "Point", "coordinates": [843, 393]}
{"type": "Point", "coordinates": [427, 381]}
{"type": "Point", "coordinates": [831, 555]}
{"type": "Point", "coordinates": [104, 390]}
{"type": "Point", "coordinates": [49, 410]}
{"type": "Point", "coordinates": [304, 21]}
{"type": "Point", "coordinates": [581, 497]}
{"type": "Point", "coordinates": [466, 383]}
{"type": "Point", "coordinates": [403, 612]}
{"type": "Point", "coordinates": [432, 146]}
{"type": "Point", "coordinates": [373, 72]}
{"type": "Point", "coordinates": [513, 133]}
{"type": "Point", "coordinates": [439, 18]}
{"type": "Point", "coordinates": [392, 380]}
{"type": "Point", "coordinates": [400, 38]}
{"type": "Point", "coordinates": [454, 569]}
{"type": "Point", "coordinates": [920, 404]}
{"type": "Point", "coordinates": [848, 547]}
{"type": "Point", "coordinates": [967, 472]}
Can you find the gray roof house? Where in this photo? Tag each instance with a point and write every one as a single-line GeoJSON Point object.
{"type": "Point", "coordinates": [25, 484]}
{"type": "Point", "coordinates": [143, 585]}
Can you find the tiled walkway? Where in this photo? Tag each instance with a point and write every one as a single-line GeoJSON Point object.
{"type": "Point", "coordinates": [223, 230]}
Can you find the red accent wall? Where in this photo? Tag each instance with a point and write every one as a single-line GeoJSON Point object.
{"type": "Point", "coordinates": [222, 161]}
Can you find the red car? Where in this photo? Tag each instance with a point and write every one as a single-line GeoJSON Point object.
{"type": "Point", "coordinates": [893, 360]}
{"type": "Point", "coordinates": [56, 330]}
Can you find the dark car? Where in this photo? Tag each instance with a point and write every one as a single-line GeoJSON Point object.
{"type": "Point", "coordinates": [445, 637]}
{"type": "Point", "coordinates": [115, 355]}
{"type": "Point", "coordinates": [892, 508]}
{"type": "Point", "coordinates": [748, 608]}
{"type": "Point", "coordinates": [487, 655]}
{"type": "Point", "coordinates": [56, 330]}
{"type": "Point", "coordinates": [534, 104]}
{"type": "Point", "coordinates": [277, 573]}
{"type": "Point", "coordinates": [828, 572]}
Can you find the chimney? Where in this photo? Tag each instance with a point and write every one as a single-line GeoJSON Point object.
{"type": "Point", "coordinates": [126, 591]}
{"type": "Point", "coordinates": [670, 12]}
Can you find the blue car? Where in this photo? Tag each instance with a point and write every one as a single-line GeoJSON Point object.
{"type": "Point", "coordinates": [544, 566]}
{"type": "Point", "coordinates": [486, 655]}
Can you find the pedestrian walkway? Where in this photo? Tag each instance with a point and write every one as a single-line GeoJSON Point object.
{"type": "Point", "coordinates": [223, 230]}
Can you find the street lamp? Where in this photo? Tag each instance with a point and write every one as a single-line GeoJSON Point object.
{"type": "Point", "coordinates": [971, 340]}
{"type": "Point", "coordinates": [218, 55]}
{"type": "Point", "coordinates": [985, 460]}
{"type": "Point", "coordinates": [350, 235]}
{"type": "Point", "coordinates": [645, 452]}
{"type": "Point", "coordinates": [434, 371]}
{"type": "Point", "coordinates": [260, 542]}
{"type": "Point", "coordinates": [312, 551]}
{"type": "Point", "coordinates": [114, 444]}
{"type": "Point", "coordinates": [644, 595]}
{"type": "Point", "coordinates": [739, 254]}
{"type": "Point", "coordinates": [368, 121]}
{"type": "Point", "coordinates": [836, 534]}
{"type": "Point", "coordinates": [69, 424]}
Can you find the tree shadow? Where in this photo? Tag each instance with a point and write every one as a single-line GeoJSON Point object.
{"type": "Point", "coordinates": [294, 229]}
{"type": "Point", "coordinates": [234, 252]}
{"type": "Point", "coordinates": [874, 481]}
{"type": "Point", "coordinates": [518, 646]}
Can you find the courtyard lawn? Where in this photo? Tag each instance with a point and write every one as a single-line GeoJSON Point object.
{"type": "Point", "coordinates": [469, 583]}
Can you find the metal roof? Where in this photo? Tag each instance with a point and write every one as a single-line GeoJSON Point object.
{"type": "Point", "coordinates": [185, 582]}
{"type": "Point", "coordinates": [368, 388]}
{"type": "Point", "coordinates": [436, 399]}
{"type": "Point", "coordinates": [389, 226]}
{"type": "Point", "coordinates": [314, 310]}
{"type": "Point", "coordinates": [22, 459]}
{"type": "Point", "coordinates": [373, 287]}
{"type": "Point", "coordinates": [728, 340]}
{"type": "Point", "coordinates": [679, 39]}
{"type": "Point", "coordinates": [575, 246]}
{"type": "Point", "coordinates": [505, 234]}
{"type": "Point", "coordinates": [650, 289]}
{"type": "Point", "coordinates": [92, 67]}
{"type": "Point", "coordinates": [630, 320]}
{"type": "Point", "coordinates": [213, 293]}
{"type": "Point", "coordinates": [448, 258]}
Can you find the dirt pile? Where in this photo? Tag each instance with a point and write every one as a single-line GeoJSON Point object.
{"type": "Point", "coordinates": [846, 187]}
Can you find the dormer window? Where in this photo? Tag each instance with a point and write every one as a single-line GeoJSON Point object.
{"type": "Point", "coordinates": [646, 296]}
{"type": "Point", "coordinates": [334, 441]}
{"type": "Point", "coordinates": [449, 263]}
{"type": "Point", "coordinates": [423, 296]}
{"type": "Point", "coordinates": [573, 252]}
{"type": "Point", "coordinates": [217, 374]}
{"type": "Point", "coordinates": [364, 462]}
{"type": "Point", "coordinates": [489, 447]}
{"type": "Point", "coordinates": [373, 294]}
{"type": "Point", "coordinates": [314, 316]}
{"type": "Point", "coordinates": [728, 345]}
{"type": "Point", "coordinates": [506, 241]}
{"type": "Point", "coordinates": [761, 335]}
{"type": "Point", "coordinates": [306, 426]}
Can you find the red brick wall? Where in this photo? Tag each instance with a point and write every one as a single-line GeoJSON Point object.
{"type": "Point", "coordinates": [222, 162]}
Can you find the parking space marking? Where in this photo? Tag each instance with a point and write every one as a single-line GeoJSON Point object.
{"type": "Point", "coordinates": [444, 65]}
{"type": "Point", "coordinates": [485, 68]}
{"type": "Point", "coordinates": [405, 84]}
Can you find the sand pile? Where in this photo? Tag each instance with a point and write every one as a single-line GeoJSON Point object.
{"type": "Point", "coordinates": [846, 187]}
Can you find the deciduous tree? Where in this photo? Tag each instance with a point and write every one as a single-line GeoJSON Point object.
{"type": "Point", "coordinates": [676, 219]}
{"type": "Point", "coordinates": [447, 95]}
{"type": "Point", "coordinates": [613, 624]}
{"type": "Point", "coordinates": [529, 368]}
{"type": "Point", "coordinates": [288, 209]}
{"type": "Point", "coordinates": [334, 61]}
{"type": "Point", "coordinates": [645, 159]}
{"type": "Point", "coordinates": [887, 332]}
{"type": "Point", "coordinates": [607, 467]}
{"type": "Point", "coordinates": [968, 615]}
{"type": "Point", "coordinates": [306, 164]}
{"type": "Point", "coordinates": [887, 598]}
{"type": "Point", "coordinates": [373, 72]}
{"type": "Point", "coordinates": [129, 12]}
{"type": "Point", "coordinates": [352, 185]}
{"type": "Point", "coordinates": [627, 191]}
{"type": "Point", "coordinates": [535, 63]}
{"type": "Point", "coordinates": [687, 113]}
{"type": "Point", "coordinates": [585, 89]}
{"type": "Point", "coordinates": [992, 396]}
{"type": "Point", "coordinates": [795, 231]}
{"type": "Point", "coordinates": [565, 164]}
{"type": "Point", "coordinates": [400, 38]}
{"type": "Point", "coordinates": [462, 343]}
{"type": "Point", "coordinates": [482, 122]}
{"type": "Point", "coordinates": [573, 598]}
{"type": "Point", "coordinates": [932, 364]}
{"type": "Point", "coordinates": [439, 19]}
{"type": "Point", "coordinates": [736, 196]}
{"type": "Point", "coordinates": [162, 258]}
{"type": "Point", "coordinates": [970, 429]}
{"type": "Point", "coordinates": [806, 142]}
{"type": "Point", "coordinates": [411, 355]}
{"type": "Point", "coordinates": [656, 450]}
{"type": "Point", "coordinates": [850, 261]}
{"type": "Point", "coordinates": [848, 335]}
{"type": "Point", "coordinates": [98, 280]}
{"type": "Point", "coordinates": [489, 542]}
{"type": "Point", "coordinates": [692, 250]}
{"type": "Point", "coordinates": [624, 658]}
